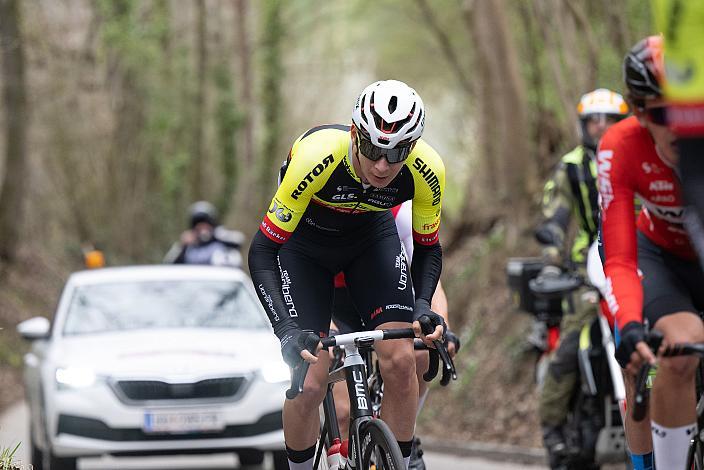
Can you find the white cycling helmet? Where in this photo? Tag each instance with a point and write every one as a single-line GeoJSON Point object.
{"type": "Point", "coordinates": [389, 113]}
{"type": "Point", "coordinates": [603, 105]}
{"type": "Point", "coordinates": [602, 101]}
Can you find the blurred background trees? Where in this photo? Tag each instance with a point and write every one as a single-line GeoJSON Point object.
{"type": "Point", "coordinates": [136, 108]}
{"type": "Point", "coordinates": [117, 114]}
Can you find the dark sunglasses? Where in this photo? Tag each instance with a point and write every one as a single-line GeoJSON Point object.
{"type": "Point", "coordinates": [657, 115]}
{"type": "Point", "coordinates": [374, 153]}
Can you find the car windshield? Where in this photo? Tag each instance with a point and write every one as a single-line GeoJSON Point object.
{"type": "Point", "coordinates": [127, 306]}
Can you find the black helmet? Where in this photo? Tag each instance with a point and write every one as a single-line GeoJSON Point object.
{"type": "Point", "coordinates": [642, 69]}
{"type": "Point", "coordinates": [203, 211]}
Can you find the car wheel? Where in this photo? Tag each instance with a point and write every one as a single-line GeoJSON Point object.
{"type": "Point", "coordinates": [62, 463]}
{"type": "Point", "coordinates": [280, 460]}
{"type": "Point", "coordinates": [250, 456]}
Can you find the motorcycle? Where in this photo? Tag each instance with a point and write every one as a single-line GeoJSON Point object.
{"type": "Point", "coordinates": [594, 430]}
{"type": "Point", "coordinates": [546, 310]}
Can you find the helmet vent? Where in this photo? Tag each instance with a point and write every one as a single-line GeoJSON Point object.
{"type": "Point", "coordinates": [393, 102]}
{"type": "Point", "coordinates": [364, 118]}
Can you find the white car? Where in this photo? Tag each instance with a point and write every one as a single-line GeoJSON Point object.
{"type": "Point", "coordinates": [155, 360]}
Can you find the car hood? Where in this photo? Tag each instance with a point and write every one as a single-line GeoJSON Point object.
{"type": "Point", "coordinates": [174, 355]}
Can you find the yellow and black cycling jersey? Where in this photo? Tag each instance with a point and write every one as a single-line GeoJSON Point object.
{"type": "Point", "coordinates": [319, 170]}
{"type": "Point", "coordinates": [682, 24]}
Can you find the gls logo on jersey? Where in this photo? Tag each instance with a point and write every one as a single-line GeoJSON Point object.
{"type": "Point", "coordinates": [345, 197]}
{"type": "Point", "coordinates": [311, 175]}
{"type": "Point", "coordinates": [429, 177]}
{"type": "Point", "coordinates": [281, 213]}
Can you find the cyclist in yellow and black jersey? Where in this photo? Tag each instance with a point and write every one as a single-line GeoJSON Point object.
{"type": "Point", "coordinates": [682, 22]}
{"type": "Point", "coordinates": [331, 214]}
{"type": "Point", "coordinates": [320, 170]}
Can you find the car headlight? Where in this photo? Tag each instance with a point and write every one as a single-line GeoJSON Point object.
{"type": "Point", "coordinates": [276, 372]}
{"type": "Point", "coordinates": [75, 377]}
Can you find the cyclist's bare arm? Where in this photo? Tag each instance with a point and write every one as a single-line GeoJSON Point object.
{"type": "Point", "coordinates": [439, 303]}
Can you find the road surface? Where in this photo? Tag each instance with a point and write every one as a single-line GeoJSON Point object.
{"type": "Point", "coordinates": [13, 429]}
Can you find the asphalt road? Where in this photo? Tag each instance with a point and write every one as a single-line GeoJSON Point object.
{"type": "Point", "coordinates": [13, 428]}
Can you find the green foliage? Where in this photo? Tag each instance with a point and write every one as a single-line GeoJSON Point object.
{"type": "Point", "coordinates": [228, 121]}
{"type": "Point", "coordinates": [7, 456]}
{"type": "Point", "coordinates": [136, 42]}
{"type": "Point", "coordinates": [272, 72]}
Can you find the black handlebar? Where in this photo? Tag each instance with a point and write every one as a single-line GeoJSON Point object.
{"type": "Point", "coordinates": [298, 377]}
{"type": "Point", "coordinates": [298, 374]}
{"type": "Point", "coordinates": [438, 353]}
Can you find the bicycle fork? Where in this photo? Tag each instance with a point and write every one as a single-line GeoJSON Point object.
{"type": "Point", "coordinates": [360, 403]}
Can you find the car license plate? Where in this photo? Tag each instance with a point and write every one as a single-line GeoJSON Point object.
{"type": "Point", "coordinates": [182, 422]}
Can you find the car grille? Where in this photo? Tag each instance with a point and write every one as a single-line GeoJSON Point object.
{"type": "Point", "coordinates": [151, 390]}
{"type": "Point", "coordinates": [97, 429]}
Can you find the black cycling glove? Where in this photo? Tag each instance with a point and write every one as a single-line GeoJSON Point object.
{"type": "Point", "coordinates": [294, 341]}
{"type": "Point", "coordinates": [450, 337]}
{"type": "Point", "coordinates": [427, 318]}
{"type": "Point", "coordinates": [630, 335]}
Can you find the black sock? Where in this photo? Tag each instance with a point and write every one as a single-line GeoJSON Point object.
{"type": "Point", "coordinates": [405, 447]}
{"type": "Point", "coordinates": [300, 456]}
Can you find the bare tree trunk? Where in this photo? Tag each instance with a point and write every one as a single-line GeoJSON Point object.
{"type": "Point", "coordinates": [580, 17]}
{"type": "Point", "coordinates": [487, 145]}
{"type": "Point", "coordinates": [15, 104]}
{"type": "Point", "coordinates": [244, 55]}
{"type": "Point", "coordinates": [615, 15]}
{"type": "Point", "coordinates": [198, 123]}
{"type": "Point", "coordinates": [272, 76]}
{"type": "Point", "coordinates": [503, 104]}
{"type": "Point", "coordinates": [543, 14]}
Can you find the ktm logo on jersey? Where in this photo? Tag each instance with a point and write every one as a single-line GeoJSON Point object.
{"type": "Point", "coordinates": [311, 176]}
{"type": "Point", "coordinates": [661, 185]}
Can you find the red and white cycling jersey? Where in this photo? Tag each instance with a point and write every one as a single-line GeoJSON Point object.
{"type": "Point", "coordinates": [629, 166]}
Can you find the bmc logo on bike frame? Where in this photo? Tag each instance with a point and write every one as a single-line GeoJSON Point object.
{"type": "Point", "coordinates": [311, 176]}
{"type": "Point", "coordinates": [359, 390]}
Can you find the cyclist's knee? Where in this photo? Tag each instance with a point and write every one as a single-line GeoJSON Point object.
{"type": "Point", "coordinates": [681, 368]}
{"type": "Point", "coordinates": [398, 365]}
{"type": "Point", "coordinates": [312, 396]}
{"type": "Point", "coordinates": [681, 327]}
{"type": "Point", "coordinates": [315, 385]}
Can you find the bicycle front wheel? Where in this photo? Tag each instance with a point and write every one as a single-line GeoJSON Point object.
{"type": "Point", "coordinates": [378, 447]}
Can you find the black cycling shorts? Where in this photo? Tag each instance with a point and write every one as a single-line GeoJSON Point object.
{"type": "Point", "coordinates": [670, 284]}
{"type": "Point", "coordinates": [344, 313]}
{"type": "Point", "coordinates": [376, 272]}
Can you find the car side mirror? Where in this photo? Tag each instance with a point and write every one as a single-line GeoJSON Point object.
{"type": "Point", "coordinates": [34, 328]}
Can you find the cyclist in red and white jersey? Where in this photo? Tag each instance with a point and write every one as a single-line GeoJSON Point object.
{"type": "Point", "coordinates": [652, 273]}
